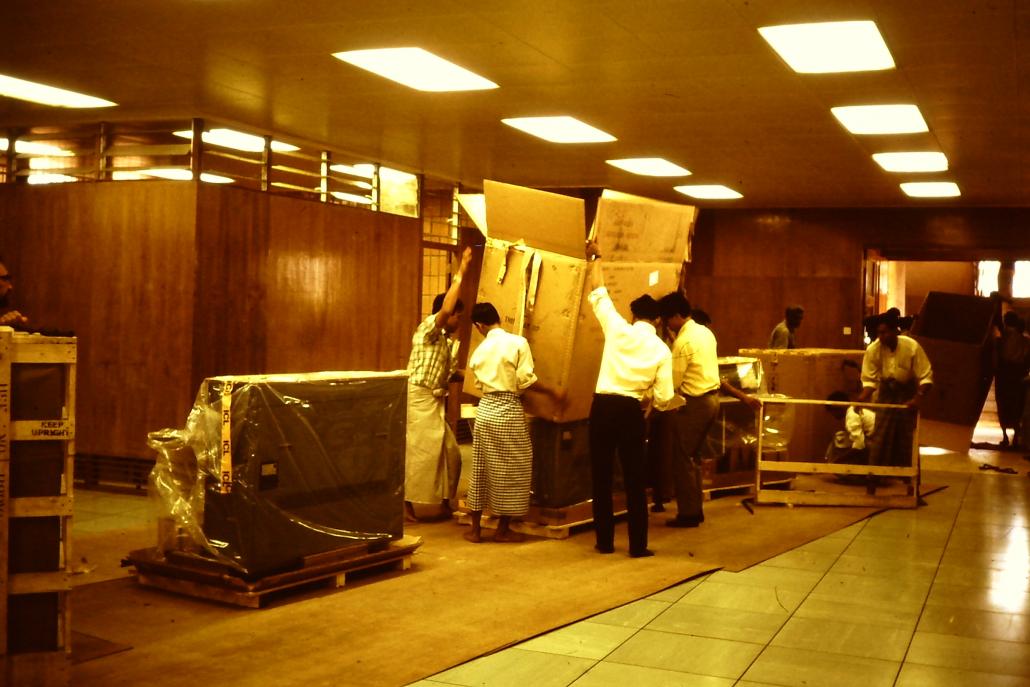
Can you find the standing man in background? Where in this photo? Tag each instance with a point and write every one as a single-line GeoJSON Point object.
{"type": "Point", "coordinates": [695, 376]}
{"type": "Point", "coordinates": [432, 460]}
{"type": "Point", "coordinates": [9, 317]}
{"type": "Point", "coordinates": [636, 367]}
{"type": "Point", "coordinates": [783, 334]}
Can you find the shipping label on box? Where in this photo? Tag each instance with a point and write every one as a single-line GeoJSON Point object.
{"type": "Point", "coordinates": [629, 228]}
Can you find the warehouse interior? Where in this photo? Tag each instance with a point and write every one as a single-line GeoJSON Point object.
{"type": "Point", "coordinates": [322, 247]}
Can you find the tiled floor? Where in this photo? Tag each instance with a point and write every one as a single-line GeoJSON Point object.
{"type": "Point", "coordinates": [935, 596]}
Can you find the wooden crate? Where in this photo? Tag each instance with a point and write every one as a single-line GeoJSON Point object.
{"type": "Point", "coordinates": [815, 494]}
{"type": "Point", "coordinates": [37, 448]}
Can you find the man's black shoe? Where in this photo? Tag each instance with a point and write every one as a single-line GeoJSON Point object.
{"type": "Point", "coordinates": [604, 549]}
{"type": "Point", "coordinates": [641, 554]}
{"type": "Point", "coordinates": [684, 522]}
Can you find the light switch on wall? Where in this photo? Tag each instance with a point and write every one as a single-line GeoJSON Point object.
{"type": "Point", "coordinates": [847, 331]}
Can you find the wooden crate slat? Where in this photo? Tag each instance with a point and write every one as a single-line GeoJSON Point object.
{"type": "Point", "coordinates": [837, 468]}
{"type": "Point", "coordinates": [38, 582]}
{"type": "Point", "coordinates": [44, 354]}
{"type": "Point", "coordinates": [5, 476]}
{"type": "Point", "coordinates": [40, 506]}
{"type": "Point", "coordinates": [42, 430]}
{"type": "Point", "coordinates": [808, 498]}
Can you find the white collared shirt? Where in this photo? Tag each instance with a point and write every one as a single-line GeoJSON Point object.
{"type": "Point", "coordinates": [635, 361]}
{"type": "Point", "coordinates": [906, 362]}
{"type": "Point", "coordinates": [502, 362]}
{"type": "Point", "coordinates": [695, 360]}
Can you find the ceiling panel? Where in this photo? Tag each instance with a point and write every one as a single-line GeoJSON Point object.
{"type": "Point", "coordinates": [690, 81]}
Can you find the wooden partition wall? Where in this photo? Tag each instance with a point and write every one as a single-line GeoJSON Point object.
{"type": "Point", "coordinates": [748, 265]}
{"type": "Point", "coordinates": [166, 283]}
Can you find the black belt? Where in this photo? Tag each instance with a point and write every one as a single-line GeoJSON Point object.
{"type": "Point", "coordinates": [707, 393]}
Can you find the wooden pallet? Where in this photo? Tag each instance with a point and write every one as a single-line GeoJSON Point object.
{"type": "Point", "coordinates": [207, 579]}
{"type": "Point", "coordinates": [35, 664]}
{"type": "Point", "coordinates": [548, 522]}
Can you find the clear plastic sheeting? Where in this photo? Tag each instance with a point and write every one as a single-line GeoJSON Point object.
{"type": "Point", "coordinates": [741, 372]}
{"type": "Point", "coordinates": [270, 469]}
{"type": "Point", "coordinates": [777, 425]}
{"type": "Point", "coordinates": [734, 434]}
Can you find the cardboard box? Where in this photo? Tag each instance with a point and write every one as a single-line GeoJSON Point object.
{"type": "Point", "coordinates": [534, 273]}
{"type": "Point", "coordinates": [811, 373]}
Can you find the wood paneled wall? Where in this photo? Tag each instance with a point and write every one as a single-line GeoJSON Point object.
{"type": "Point", "coordinates": [114, 263]}
{"type": "Point", "coordinates": [748, 265]}
{"type": "Point", "coordinates": [166, 283]}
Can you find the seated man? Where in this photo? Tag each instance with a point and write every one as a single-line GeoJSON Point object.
{"type": "Point", "coordinates": [849, 444]}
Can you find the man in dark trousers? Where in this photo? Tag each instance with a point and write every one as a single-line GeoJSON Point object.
{"type": "Point", "coordinates": [695, 375]}
{"type": "Point", "coordinates": [636, 368]}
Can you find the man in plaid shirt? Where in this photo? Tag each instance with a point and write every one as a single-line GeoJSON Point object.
{"type": "Point", "coordinates": [432, 459]}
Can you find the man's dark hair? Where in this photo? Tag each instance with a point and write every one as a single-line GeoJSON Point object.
{"type": "Point", "coordinates": [672, 304]}
{"type": "Point", "coordinates": [438, 303]}
{"type": "Point", "coordinates": [485, 313]}
{"type": "Point", "coordinates": [701, 317]}
{"type": "Point", "coordinates": [1012, 319]}
{"type": "Point", "coordinates": [644, 308]}
{"type": "Point", "coordinates": [793, 311]}
{"type": "Point", "coordinates": [891, 319]}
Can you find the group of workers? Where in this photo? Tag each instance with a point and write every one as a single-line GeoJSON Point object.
{"type": "Point", "coordinates": [677, 378]}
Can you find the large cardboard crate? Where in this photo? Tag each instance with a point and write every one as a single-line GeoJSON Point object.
{"type": "Point", "coordinates": [809, 373]}
{"type": "Point", "coordinates": [533, 271]}
{"type": "Point", "coordinates": [37, 429]}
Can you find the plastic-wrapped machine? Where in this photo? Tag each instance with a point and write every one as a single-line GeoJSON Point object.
{"type": "Point", "coordinates": [742, 372]}
{"type": "Point", "coordinates": [272, 468]}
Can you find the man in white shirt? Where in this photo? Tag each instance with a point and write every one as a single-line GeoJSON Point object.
{"type": "Point", "coordinates": [895, 369]}
{"type": "Point", "coordinates": [636, 366]}
{"type": "Point", "coordinates": [502, 455]}
{"type": "Point", "coordinates": [695, 376]}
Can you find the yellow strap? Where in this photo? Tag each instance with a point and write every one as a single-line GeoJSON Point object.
{"type": "Point", "coordinates": [225, 482]}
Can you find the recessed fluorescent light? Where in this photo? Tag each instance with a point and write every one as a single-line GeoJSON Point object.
{"type": "Point", "coordinates": [709, 192]}
{"type": "Point", "coordinates": [35, 148]}
{"type": "Point", "coordinates": [47, 95]}
{"type": "Point", "coordinates": [559, 129]}
{"type": "Point", "coordinates": [650, 166]}
{"type": "Point", "coordinates": [881, 119]}
{"type": "Point", "coordinates": [416, 68]}
{"type": "Point", "coordinates": [835, 46]}
{"type": "Point", "coordinates": [931, 189]}
{"type": "Point", "coordinates": [364, 170]}
{"type": "Point", "coordinates": [912, 162]}
{"type": "Point", "coordinates": [237, 140]}
{"type": "Point", "coordinates": [351, 197]}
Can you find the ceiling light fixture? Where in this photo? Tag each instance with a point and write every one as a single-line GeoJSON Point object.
{"type": "Point", "coordinates": [561, 129]}
{"type": "Point", "coordinates": [237, 140]}
{"type": "Point", "coordinates": [650, 167]}
{"type": "Point", "coordinates": [33, 92]}
{"type": "Point", "coordinates": [881, 119]}
{"type": "Point", "coordinates": [912, 162]}
{"type": "Point", "coordinates": [416, 68]}
{"type": "Point", "coordinates": [931, 189]}
{"type": "Point", "coordinates": [828, 47]}
{"type": "Point", "coordinates": [709, 192]}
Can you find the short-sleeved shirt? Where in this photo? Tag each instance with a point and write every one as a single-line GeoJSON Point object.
{"type": "Point", "coordinates": [695, 360]}
{"type": "Point", "coordinates": [432, 360]}
{"type": "Point", "coordinates": [502, 362]}
{"type": "Point", "coordinates": [906, 363]}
